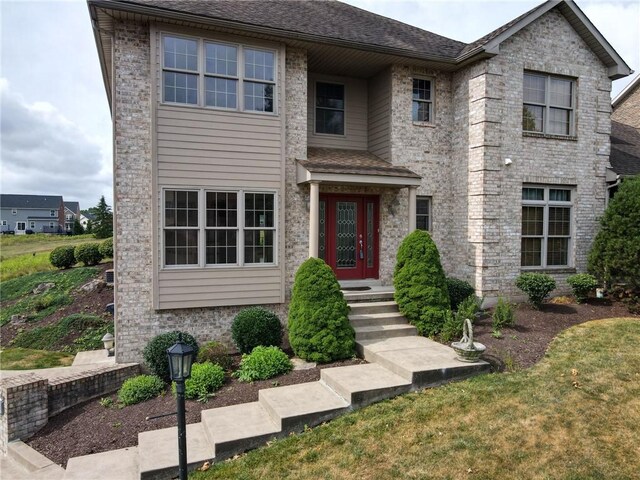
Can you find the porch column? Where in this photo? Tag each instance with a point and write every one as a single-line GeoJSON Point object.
{"type": "Point", "coordinates": [412, 208]}
{"type": "Point", "coordinates": [314, 218]}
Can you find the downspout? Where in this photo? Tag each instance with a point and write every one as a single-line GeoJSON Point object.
{"type": "Point", "coordinates": [617, 182]}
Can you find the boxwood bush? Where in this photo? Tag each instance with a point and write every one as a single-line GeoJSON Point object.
{"type": "Point", "coordinates": [140, 388]}
{"type": "Point", "coordinates": [215, 352]}
{"type": "Point", "coordinates": [263, 363]}
{"type": "Point", "coordinates": [319, 328]}
{"type": "Point", "coordinates": [420, 285]}
{"type": "Point", "coordinates": [205, 379]}
{"type": "Point", "coordinates": [537, 286]}
{"type": "Point", "coordinates": [256, 326]}
{"type": "Point", "coordinates": [63, 257]}
{"type": "Point", "coordinates": [155, 353]}
{"type": "Point", "coordinates": [582, 284]}
{"type": "Point", "coordinates": [88, 253]}
{"type": "Point", "coordinates": [106, 248]}
{"type": "Point", "coordinates": [458, 291]}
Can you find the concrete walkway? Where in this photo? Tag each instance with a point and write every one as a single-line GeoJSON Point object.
{"type": "Point", "coordinates": [83, 362]}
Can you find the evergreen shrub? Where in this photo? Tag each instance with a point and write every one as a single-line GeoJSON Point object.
{"type": "Point", "coordinates": [215, 352]}
{"type": "Point", "coordinates": [537, 286]}
{"type": "Point", "coordinates": [420, 285]}
{"type": "Point", "coordinates": [256, 326]}
{"type": "Point", "coordinates": [205, 379]}
{"type": "Point", "coordinates": [582, 284]}
{"type": "Point", "coordinates": [106, 248]}
{"type": "Point", "coordinates": [155, 353]}
{"type": "Point", "coordinates": [140, 388]}
{"type": "Point", "coordinates": [263, 363]}
{"type": "Point", "coordinates": [458, 291]}
{"type": "Point", "coordinates": [88, 253]}
{"type": "Point", "coordinates": [319, 328]}
{"type": "Point", "coordinates": [63, 257]}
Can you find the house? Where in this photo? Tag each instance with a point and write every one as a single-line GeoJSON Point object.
{"type": "Point", "coordinates": [85, 218]}
{"type": "Point", "coordinates": [71, 213]}
{"type": "Point", "coordinates": [625, 135]}
{"type": "Point", "coordinates": [251, 135]}
{"type": "Point", "coordinates": [36, 213]}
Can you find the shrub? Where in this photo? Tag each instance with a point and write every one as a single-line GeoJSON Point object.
{"type": "Point", "coordinates": [140, 388]}
{"type": "Point", "coordinates": [88, 253]}
{"type": "Point", "coordinates": [453, 324]}
{"type": "Point", "coordinates": [420, 285]}
{"type": "Point", "coordinates": [582, 284]}
{"type": "Point", "coordinates": [615, 254]}
{"type": "Point", "coordinates": [205, 379]}
{"type": "Point", "coordinates": [106, 248]}
{"type": "Point", "coordinates": [536, 285]}
{"type": "Point", "coordinates": [215, 352]}
{"type": "Point", "coordinates": [256, 326]}
{"type": "Point", "coordinates": [503, 315]}
{"type": "Point", "coordinates": [263, 363]}
{"type": "Point", "coordinates": [63, 257]}
{"type": "Point", "coordinates": [319, 329]}
{"type": "Point", "coordinates": [155, 353]}
{"type": "Point", "coordinates": [458, 291]}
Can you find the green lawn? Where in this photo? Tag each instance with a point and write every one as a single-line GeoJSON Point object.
{"type": "Point", "coordinates": [27, 358]}
{"type": "Point", "coordinates": [575, 415]}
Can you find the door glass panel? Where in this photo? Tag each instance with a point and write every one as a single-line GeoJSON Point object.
{"type": "Point", "coordinates": [322, 240]}
{"type": "Point", "coordinates": [346, 234]}
{"type": "Point", "coordinates": [369, 235]}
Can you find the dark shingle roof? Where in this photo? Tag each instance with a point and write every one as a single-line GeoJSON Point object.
{"type": "Point", "coordinates": [625, 149]}
{"type": "Point", "coordinates": [323, 18]}
{"type": "Point", "coordinates": [354, 162]}
{"type": "Point", "coordinates": [8, 200]}
{"type": "Point", "coordinates": [73, 206]}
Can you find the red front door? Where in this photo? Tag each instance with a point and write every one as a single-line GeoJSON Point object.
{"type": "Point", "coordinates": [349, 235]}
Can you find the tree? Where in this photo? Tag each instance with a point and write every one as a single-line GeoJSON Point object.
{"type": "Point", "coordinates": [103, 224]}
{"type": "Point", "coordinates": [89, 228]}
{"type": "Point", "coordinates": [78, 229]}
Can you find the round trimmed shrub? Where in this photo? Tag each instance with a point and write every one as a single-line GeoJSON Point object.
{"type": "Point", "coordinates": [140, 388]}
{"type": "Point", "coordinates": [63, 257]}
{"type": "Point", "coordinates": [420, 285]}
{"type": "Point", "coordinates": [263, 363]}
{"type": "Point", "coordinates": [215, 352]}
{"type": "Point", "coordinates": [319, 328]}
{"type": "Point", "coordinates": [582, 284]}
{"type": "Point", "coordinates": [256, 326]}
{"type": "Point", "coordinates": [537, 286]}
{"type": "Point", "coordinates": [88, 253]}
{"type": "Point", "coordinates": [205, 379]}
{"type": "Point", "coordinates": [458, 290]}
{"type": "Point", "coordinates": [155, 353]}
{"type": "Point", "coordinates": [106, 248]}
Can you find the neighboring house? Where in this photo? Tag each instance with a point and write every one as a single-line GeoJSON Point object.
{"type": "Point", "coordinates": [38, 213]}
{"type": "Point", "coordinates": [625, 135]}
{"type": "Point", "coordinates": [85, 218]}
{"type": "Point", "coordinates": [71, 213]}
{"type": "Point", "coordinates": [250, 135]}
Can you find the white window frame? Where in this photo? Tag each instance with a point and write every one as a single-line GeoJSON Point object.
{"type": "Point", "coordinates": [547, 104]}
{"type": "Point", "coordinates": [429, 199]}
{"type": "Point", "coordinates": [21, 229]}
{"type": "Point", "coordinates": [14, 211]}
{"type": "Point", "coordinates": [202, 75]}
{"type": "Point", "coordinates": [202, 228]}
{"type": "Point", "coordinates": [32, 225]}
{"type": "Point", "coordinates": [343, 110]}
{"type": "Point", "coordinates": [546, 203]}
{"type": "Point", "coordinates": [53, 213]}
{"type": "Point", "coordinates": [431, 101]}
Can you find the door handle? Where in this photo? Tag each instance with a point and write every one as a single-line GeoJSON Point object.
{"type": "Point", "coordinates": [361, 250]}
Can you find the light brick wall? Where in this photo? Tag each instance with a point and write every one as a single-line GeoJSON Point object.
{"type": "Point", "coordinates": [628, 111]}
{"type": "Point", "coordinates": [25, 408]}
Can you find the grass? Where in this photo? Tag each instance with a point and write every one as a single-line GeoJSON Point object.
{"type": "Point", "coordinates": [575, 415]}
{"type": "Point", "coordinates": [27, 359]}
{"type": "Point", "coordinates": [26, 254]}
{"type": "Point", "coordinates": [35, 307]}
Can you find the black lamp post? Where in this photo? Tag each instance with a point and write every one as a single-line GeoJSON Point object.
{"type": "Point", "coordinates": [180, 361]}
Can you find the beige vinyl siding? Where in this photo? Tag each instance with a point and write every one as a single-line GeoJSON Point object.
{"type": "Point", "coordinates": [355, 125]}
{"type": "Point", "coordinates": [380, 115]}
{"type": "Point", "coordinates": [207, 148]}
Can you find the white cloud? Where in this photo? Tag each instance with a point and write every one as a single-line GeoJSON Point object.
{"type": "Point", "coordinates": [43, 152]}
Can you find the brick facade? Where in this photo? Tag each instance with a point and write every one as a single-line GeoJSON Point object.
{"type": "Point", "coordinates": [628, 110]}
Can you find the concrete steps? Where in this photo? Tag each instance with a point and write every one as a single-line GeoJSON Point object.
{"type": "Point", "coordinates": [381, 332]}
{"type": "Point", "coordinates": [119, 464]}
{"type": "Point", "coordinates": [383, 306]}
{"type": "Point", "coordinates": [374, 319]}
{"type": "Point", "coordinates": [377, 320]}
{"type": "Point", "coordinates": [23, 462]}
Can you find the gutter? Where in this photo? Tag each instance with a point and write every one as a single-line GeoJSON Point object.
{"type": "Point", "coordinates": [103, 65]}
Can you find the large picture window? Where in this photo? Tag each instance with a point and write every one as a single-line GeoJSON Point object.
{"type": "Point", "coordinates": [217, 74]}
{"type": "Point", "coordinates": [234, 228]}
{"type": "Point", "coordinates": [546, 226]}
{"type": "Point", "coordinates": [548, 104]}
{"type": "Point", "coordinates": [330, 108]}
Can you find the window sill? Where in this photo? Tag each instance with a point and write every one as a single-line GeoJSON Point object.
{"type": "Point", "coordinates": [549, 270]}
{"type": "Point", "coordinates": [423, 124]}
{"type": "Point", "coordinates": [566, 138]}
{"type": "Point", "coordinates": [218, 109]}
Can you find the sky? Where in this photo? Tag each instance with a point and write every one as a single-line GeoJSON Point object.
{"type": "Point", "coordinates": [55, 124]}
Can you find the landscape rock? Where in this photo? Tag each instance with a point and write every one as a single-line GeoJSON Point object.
{"type": "Point", "coordinates": [17, 319]}
{"type": "Point", "coordinates": [43, 287]}
{"type": "Point", "coordinates": [95, 284]}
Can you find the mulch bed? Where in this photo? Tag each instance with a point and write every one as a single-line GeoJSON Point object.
{"type": "Point", "coordinates": [92, 428]}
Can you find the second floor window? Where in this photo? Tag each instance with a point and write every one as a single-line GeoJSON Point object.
{"type": "Point", "coordinates": [422, 107]}
{"type": "Point", "coordinates": [53, 213]}
{"type": "Point", "coordinates": [423, 213]}
{"type": "Point", "coordinates": [233, 76]}
{"type": "Point", "coordinates": [330, 108]}
{"type": "Point", "coordinates": [548, 104]}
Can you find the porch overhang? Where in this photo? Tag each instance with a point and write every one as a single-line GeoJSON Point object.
{"type": "Point", "coordinates": [352, 167]}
